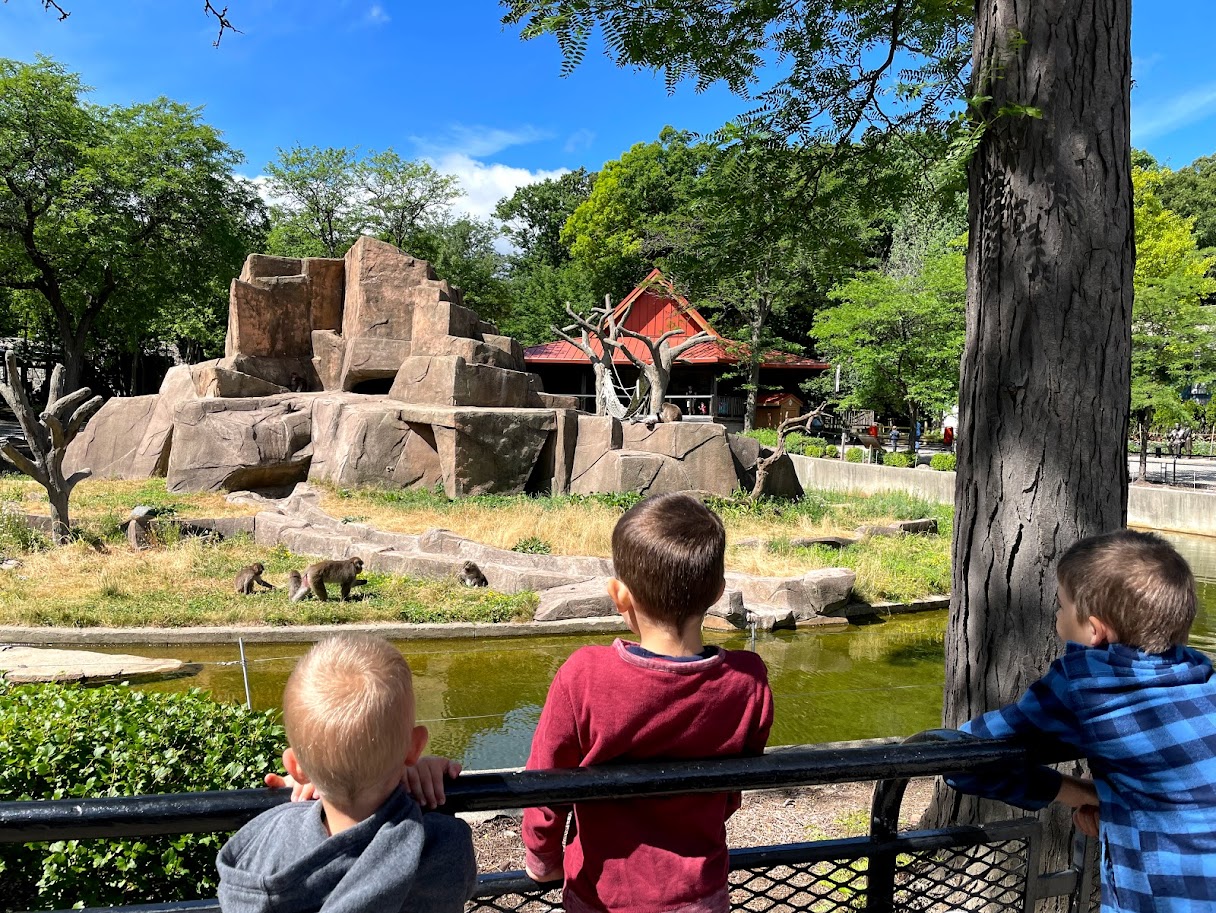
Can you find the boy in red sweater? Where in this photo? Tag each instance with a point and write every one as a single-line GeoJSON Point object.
{"type": "Point", "coordinates": [665, 697]}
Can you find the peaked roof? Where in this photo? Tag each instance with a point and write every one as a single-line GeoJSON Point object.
{"type": "Point", "coordinates": [655, 308]}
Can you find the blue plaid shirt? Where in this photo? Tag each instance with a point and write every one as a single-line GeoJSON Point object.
{"type": "Point", "coordinates": [1147, 724]}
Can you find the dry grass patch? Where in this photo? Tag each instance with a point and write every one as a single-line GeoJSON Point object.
{"type": "Point", "coordinates": [191, 583]}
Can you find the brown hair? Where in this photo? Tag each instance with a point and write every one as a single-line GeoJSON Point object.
{"type": "Point", "coordinates": [669, 551]}
{"type": "Point", "coordinates": [349, 713]}
{"type": "Point", "coordinates": [1135, 582]}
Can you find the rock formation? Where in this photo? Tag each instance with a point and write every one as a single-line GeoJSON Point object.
{"type": "Point", "coordinates": [371, 370]}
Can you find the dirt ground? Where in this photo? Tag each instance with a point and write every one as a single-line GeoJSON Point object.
{"type": "Point", "coordinates": [766, 819]}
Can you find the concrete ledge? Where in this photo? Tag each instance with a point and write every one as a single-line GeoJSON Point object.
{"type": "Point", "coordinates": [841, 475]}
{"type": "Point", "coordinates": [262, 634]}
{"type": "Point", "coordinates": [1171, 510]}
{"type": "Point", "coordinates": [862, 609]}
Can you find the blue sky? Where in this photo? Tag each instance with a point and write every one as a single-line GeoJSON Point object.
{"type": "Point", "coordinates": [447, 82]}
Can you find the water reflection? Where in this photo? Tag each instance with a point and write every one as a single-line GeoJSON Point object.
{"type": "Point", "coordinates": [481, 699]}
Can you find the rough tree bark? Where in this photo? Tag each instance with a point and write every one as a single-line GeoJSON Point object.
{"type": "Point", "coordinates": [47, 436]}
{"type": "Point", "coordinates": [1045, 387]}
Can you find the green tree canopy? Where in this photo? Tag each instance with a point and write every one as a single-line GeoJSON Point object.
{"type": "Point", "coordinates": [403, 196]}
{"type": "Point", "coordinates": [1173, 346]}
{"type": "Point", "coordinates": [319, 209]}
{"type": "Point", "coordinates": [1191, 192]}
{"type": "Point", "coordinates": [541, 275]}
{"type": "Point", "coordinates": [129, 217]}
{"type": "Point", "coordinates": [626, 223]}
{"type": "Point", "coordinates": [898, 333]}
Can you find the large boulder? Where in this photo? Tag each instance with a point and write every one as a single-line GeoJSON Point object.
{"type": "Point", "coordinates": [236, 444]}
{"type": "Point", "coordinates": [379, 300]}
{"type": "Point", "coordinates": [701, 448]}
{"type": "Point", "coordinates": [110, 443]}
{"type": "Point", "coordinates": [371, 442]}
{"type": "Point", "coordinates": [270, 317]}
{"type": "Point", "coordinates": [820, 592]}
{"type": "Point", "coordinates": [632, 470]}
{"type": "Point", "coordinates": [327, 291]}
{"type": "Point", "coordinates": [490, 451]}
{"type": "Point", "coordinates": [453, 381]}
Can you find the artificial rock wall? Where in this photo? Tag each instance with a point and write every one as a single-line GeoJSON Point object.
{"type": "Point", "coordinates": [370, 370]}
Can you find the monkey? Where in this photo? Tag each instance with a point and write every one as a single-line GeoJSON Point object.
{"type": "Point", "coordinates": [249, 576]}
{"type": "Point", "coordinates": [670, 413]}
{"type": "Point", "coordinates": [295, 586]}
{"type": "Point", "coordinates": [344, 573]}
{"type": "Point", "coordinates": [471, 575]}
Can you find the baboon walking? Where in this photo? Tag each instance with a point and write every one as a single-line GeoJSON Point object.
{"type": "Point", "coordinates": [344, 573]}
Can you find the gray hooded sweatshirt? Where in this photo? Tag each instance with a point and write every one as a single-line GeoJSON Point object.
{"type": "Point", "coordinates": [283, 861]}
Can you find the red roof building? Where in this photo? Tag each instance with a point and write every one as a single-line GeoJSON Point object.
{"type": "Point", "coordinates": [702, 381]}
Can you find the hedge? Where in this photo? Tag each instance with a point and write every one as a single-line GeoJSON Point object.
{"type": "Point", "coordinates": [66, 741]}
{"type": "Point", "coordinates": [898, 460]}
{"type": "Point", "coordinates": [943, 461]}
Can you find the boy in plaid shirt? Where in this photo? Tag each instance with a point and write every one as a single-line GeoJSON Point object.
{"type": "Point", "coordinates": [1142, 707]}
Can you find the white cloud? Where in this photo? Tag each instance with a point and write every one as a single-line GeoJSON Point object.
{"type": "Point", "coordinates": [485, 183]}
{"type": "Point", "coordinates": [1198, 104]}
{"type": "Point", "coordinates": [377, 15]}
{"type": "Point", "coordinates": [477, 142]}
{"type": "Point", "coordinates": [579, 140]}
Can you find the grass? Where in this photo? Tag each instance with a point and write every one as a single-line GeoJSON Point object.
{"type": "Point", "coordinates": [190, 583]}
{"type": "Point", "coordinates": [98, 581]}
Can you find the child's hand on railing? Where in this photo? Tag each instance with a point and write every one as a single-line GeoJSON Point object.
{"type": "Point", "coordinates": [1085, 819]}
{"type": "Point", "coordinates": [424, 780]}
{"type": "Point", "coordinates": [300, 792]}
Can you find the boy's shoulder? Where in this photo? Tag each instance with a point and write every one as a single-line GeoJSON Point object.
{"type": "Point", "coordinates": [595, 659]}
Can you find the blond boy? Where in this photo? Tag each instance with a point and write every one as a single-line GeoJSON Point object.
{"type": "Point", "coordinates": [349, 713]}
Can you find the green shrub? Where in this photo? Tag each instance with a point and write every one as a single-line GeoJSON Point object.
{"type": "Point", "coordinates": [532, 545]}
{"type": "Point", "coordinates": [854, 455]}
{"type": "Point", "coordinates": [943, 461]}
{"type": "Point", "coordinates": [813, 450]}
{"type": "Point", "coordinates": [66, 742]}
{"type": "Point", "coordinates": [766, 436]}
{"type": "Point", "coordinates": [898, 460]}
{"type": "Point", "coordinates": [831, 451]}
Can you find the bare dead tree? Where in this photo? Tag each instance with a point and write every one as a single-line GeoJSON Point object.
{"type": "Point", "coordinates": [220, 15]}
{"type": "Point", "coordinates": [662, 356]}
{"type": "Point", "coordinates": [789, 426]}
{"type": "Point", "coordinates": [47, 434]}
{"type": "Point", "coordinates": [598, 326]}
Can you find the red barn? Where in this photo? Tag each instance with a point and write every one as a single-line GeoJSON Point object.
{"type": "Point", "coordinates": [704, 381]}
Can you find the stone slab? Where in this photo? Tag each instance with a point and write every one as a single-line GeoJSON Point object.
{"type": "Point", "coordinates": [25, 665]}
{"type": "Point", "coordinates": [109, 444]}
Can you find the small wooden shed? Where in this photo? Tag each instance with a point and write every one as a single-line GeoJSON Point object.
{"type": "Point", "coordinates": [774, 408]}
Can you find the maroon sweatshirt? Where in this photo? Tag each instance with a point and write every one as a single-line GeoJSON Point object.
{"type": "Point", "coordinates": [607, 705]}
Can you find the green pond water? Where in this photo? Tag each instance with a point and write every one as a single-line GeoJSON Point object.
{"type": "Point", "coordinates": [481, 699]}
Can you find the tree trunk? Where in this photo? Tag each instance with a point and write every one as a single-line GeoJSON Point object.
{"type": "Point", "coordinates": [1046, 368]}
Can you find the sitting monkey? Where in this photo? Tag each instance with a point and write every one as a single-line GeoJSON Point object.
{"type": "Point", "coordinates": [471, 575]}
{"type": "Point", "coordinates": [249, 576]}
{"type": "Point", "coordinates": [344, 573]}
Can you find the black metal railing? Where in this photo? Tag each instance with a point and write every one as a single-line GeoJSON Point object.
{"type": "Point", "coordinates": [993, 867]}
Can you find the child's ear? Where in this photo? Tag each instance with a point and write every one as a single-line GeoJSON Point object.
{"type": "Point", "coordinates": [418, 739]}
{"type": "Point", "coordinates": [620, 595]}
{"type": "Point", "coordinates": [1103, 633]}
{"type": "Point", "coordinates": [292, 765]}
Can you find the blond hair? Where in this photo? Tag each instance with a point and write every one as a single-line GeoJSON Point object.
{"type": "Point", "coordinates": [349, 713]}
{"type": "Point", "coordinates": [1135, 582]}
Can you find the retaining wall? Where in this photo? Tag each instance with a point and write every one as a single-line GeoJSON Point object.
{"type": "Point", "coordinates": [841, 475]}
{"type": "Point", "coordinates": [1166, 509]}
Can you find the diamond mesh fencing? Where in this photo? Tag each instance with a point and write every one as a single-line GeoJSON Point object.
{"type": "Point", "coordinates": [944, 871]}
